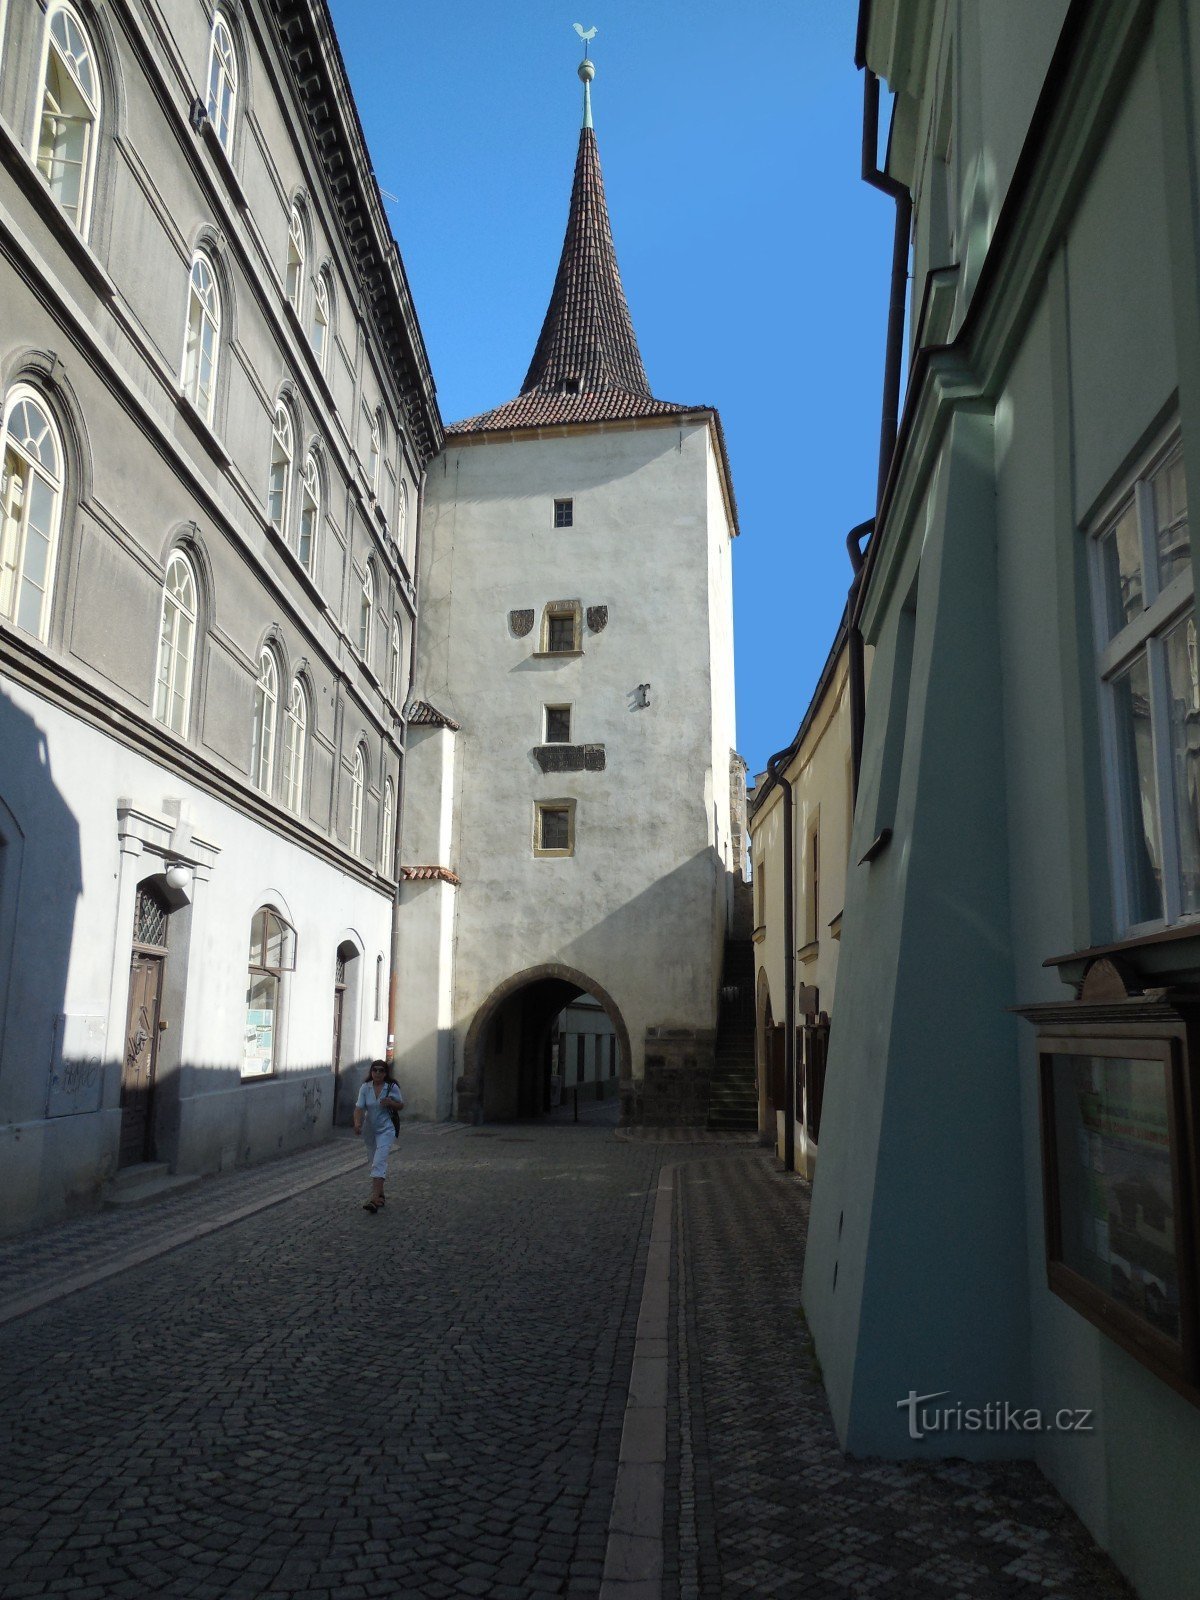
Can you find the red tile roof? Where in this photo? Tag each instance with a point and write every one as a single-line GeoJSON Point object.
{"type": "Point", "coordinates": [430, 875]}
{"type": "Point", "coordinates": [423, 715]}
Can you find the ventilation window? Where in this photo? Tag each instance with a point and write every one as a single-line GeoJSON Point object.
{"type": "Point", "coordinates": [558, 724]}
{"type": "Point", "coordinates": [564, 513]}
{"type": "Point", "coordinates": [571, 386]}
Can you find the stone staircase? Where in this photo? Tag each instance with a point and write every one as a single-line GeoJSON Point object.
{"type": "Point", "coordinates": [733, 1096]}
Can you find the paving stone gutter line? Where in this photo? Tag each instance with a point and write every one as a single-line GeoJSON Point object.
{"type": "Point", "coordinates": [633, 1563]}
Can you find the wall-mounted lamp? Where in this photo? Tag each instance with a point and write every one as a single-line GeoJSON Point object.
{"type": "Point", "coordinates": [178, 875]}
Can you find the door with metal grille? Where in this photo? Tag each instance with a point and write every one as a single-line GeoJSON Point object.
{"type": "Point", "coordinates": [142, 1025]}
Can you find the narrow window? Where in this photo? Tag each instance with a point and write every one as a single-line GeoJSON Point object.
{"type": "Point", "coordinates": [222, 83]}
{"type": "Point", "coordinates": [310, 511]}
{"type": "Point", "coordinates": [176, 645]}
{"type": "Point", "coordinates": [266, 699]}
{"type": "Point", "coordinates": [320, 323]}
{"type": "Point", "coordinates": [69, 116]}
{"type": "Point", "coordinates": [402, 517]}
{"type": "Point", "coordinates": [294, 279]}
{"type": "Point", "coordinates": [31, 509]}
{"type": "Point", "coordinates": [554, 828]}
{"type": "Point", "coordinates": [278, 494]}
{"type": "Point", "coordinates": [378, 988]}
{"type": "Point", "coordinates": [1150, 677]}
{"type": "Point", "coordinates": [295, 732]}
{"type": "Point", "coordinates": [272, 953]}
{"type": "Point", "coordinates": [358, 784]}
{"type": "Point", "coordinates": [366, 608]}
{"type": "Point", "coordinates": [812, 920]}
{"type": "Point", "coordinates": [203, 337]}
{"type": "Point", "coordinates": [387, 843]}
{"type": "Point", "coordinates": [396, 672]}
{"type": "Point", "coordinates": [558, 725]}
{"type": "Point", "coordinates": [564, 513]}
{"type": "Point", "coordinates": [561, 630]}
{"type": "Point", "coordinates": [374, 448]}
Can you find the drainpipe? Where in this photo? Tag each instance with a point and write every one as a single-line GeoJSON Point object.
{"type": "Point", "coordinates": [775, 773]}
{"type": "Point", "coordinates": [889, 420]}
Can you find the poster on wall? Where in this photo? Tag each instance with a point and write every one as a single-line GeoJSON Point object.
{"type": "Point", "coordinates": [259, 1046]}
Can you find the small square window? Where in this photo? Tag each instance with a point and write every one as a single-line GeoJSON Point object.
{"type": "Point", "coordinates": [564, 513]}
{"type": "Point", "coordinates": [560, 632]}
{"type": "Point", "coordinates": [558, 724]}
{"type": "Point", "coordinates": [554, 828]}
{"type": "Point", "coordinates": [570, 385]}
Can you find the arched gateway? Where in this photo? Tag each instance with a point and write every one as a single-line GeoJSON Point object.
{"type": "Point", "coordinates": [506, 1057]}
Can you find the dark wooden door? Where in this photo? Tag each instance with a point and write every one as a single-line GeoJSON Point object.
{"type": "Point", "coordinates": [141, 1057]}
{"type": "Point", "coordinates": [339, 997]}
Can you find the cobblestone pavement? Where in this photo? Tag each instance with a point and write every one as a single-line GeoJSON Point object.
{"type": "Point", "coordinates": [429, 1403]}
{"type": "Point", "coordinates": [760, 1501]}
{"type": "Point", "coordinates": [320, 1402]}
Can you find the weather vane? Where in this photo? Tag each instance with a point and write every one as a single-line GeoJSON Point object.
{"type": "Point", "coordinates": [586, 37]}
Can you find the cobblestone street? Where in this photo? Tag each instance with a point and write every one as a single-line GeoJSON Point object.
{"type": "Point", "coordinates": [305, 1399]}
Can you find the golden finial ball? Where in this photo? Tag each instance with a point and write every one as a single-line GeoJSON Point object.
{"type": "Point", "coordinates": [587, 70]}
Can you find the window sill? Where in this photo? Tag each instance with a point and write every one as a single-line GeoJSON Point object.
{"type": "Point", "coordinates": [295, 565]}
{"type": "Point", "coordinates": [28, 178]}
{"type": "Point", "coordinates": [759, 934]}
{"type": "Point", "coordinates": [545, 855]}
{"type": "Point", "coordinates": [556, 655]}
{"type": "Point", "coordinates": [876, 847]}
{"type": "Point", "coordinates": [221, 157]}
{"type": "Point", "coordinates": [809, 952]}
{"type": "Point", "coordinates": [1168, 953]}
{"type": "Point", "coordinates": [203, 429]}
{"type": "Point", "coordinates": [835, 927]}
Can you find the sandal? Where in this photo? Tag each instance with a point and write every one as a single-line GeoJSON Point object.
{"type": "Point", "coordinates": [372, 1206]}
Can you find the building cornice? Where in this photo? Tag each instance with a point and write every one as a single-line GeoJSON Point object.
{"type": "Point", "coordinates": [306, 31]}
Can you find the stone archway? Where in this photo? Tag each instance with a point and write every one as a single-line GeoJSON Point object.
{"type": "Point", "coordinates": [543, 991]}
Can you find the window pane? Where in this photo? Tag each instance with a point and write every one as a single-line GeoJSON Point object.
{"type": "Point", "coordinates": [558, 725]}
{"type": "Point", "coordinates": [1116, 1199]}
{"type": "Point", "coordinates": [1138, 792]}
{"type": "Point", "coordinates": [1183, 693]}
{"type": "Point", "coordinates": [1171, 536]}
{"type": "Point", "coordinates": [555, 832]}
{"type": "Point", "coordinates": [561, 633]}
{"type": "Point", "coordinates": [1121, 556]}
{"type": "Point", "coordinates": [258, 1051]}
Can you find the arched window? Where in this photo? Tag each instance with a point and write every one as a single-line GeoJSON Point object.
{"type": "Point", "coordinates": [310, 511]}
{"type": "Point", "coordinates": [358, 784]}
{"type": "Point", "coordinates": [203, 337]}
{"type": "Point", "coordinates": [321, 318]}
{"type": "Point", "coordinates": [266, 699]}
{"type": "Point", "coordinates": [294, 280]}
{"type": "Point", "coordinates": [402, 516]}
{"type": "Point", "coordinates": [374, 449]}
{"type": "Point", "coordinates": [222, 83]}
{"type": "Point", "coordinates": [387, 843]}
{"type": "Point", "coordinates": [295, 732]}
{"type": "Point", "coordinates": [366, 611]}
{"type": "Point", "coordinates": [395, 661]}
{"type": "Point", "coordinates": [272, 953]}
{"type": "Point", "coordinates": [279, 492]}
{"type": "Point", "coordinates": [176, 645]}
{"type": "Point", "coordinates": [69, 115]}
{"type": "Point", "coordinates": [31, 491]}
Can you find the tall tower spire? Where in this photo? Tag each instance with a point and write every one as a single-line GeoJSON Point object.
{"type": "Point", "coordinates": [587, 343]}
{"type": "Point", "coordinates": [586, 365]}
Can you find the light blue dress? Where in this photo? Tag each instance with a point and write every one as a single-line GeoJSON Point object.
{"type": "Point", "coordinates": [379, 1134]}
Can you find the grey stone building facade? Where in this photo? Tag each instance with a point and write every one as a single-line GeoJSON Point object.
{"type": "Point", "coordinates": [216, 413]}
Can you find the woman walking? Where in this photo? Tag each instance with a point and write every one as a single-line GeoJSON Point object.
{"type": "Point", "coordinates": [375, 1119]}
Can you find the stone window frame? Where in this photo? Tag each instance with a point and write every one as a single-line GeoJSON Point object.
{"type": "Point", "coordinates": [556, 609]}
{"type": "Point", "coordinates": [564, 512]}
{"type": "Point", "coordinates": [93, 99]}
{"type": "Point", "coordinates": [540, 807]}
{"type": "Point", "coordinates": [547, 708]}
{"type": "Point", "coordinates": [14, 535]}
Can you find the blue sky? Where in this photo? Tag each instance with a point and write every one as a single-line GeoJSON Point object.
{"type": "Point", "coordinates": [754, 258]}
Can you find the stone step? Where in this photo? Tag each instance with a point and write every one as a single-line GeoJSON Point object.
{"type": "Point", "coordinates": [140, 1172]}
{"type": "Point", "coordinates": [143, 1193]}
